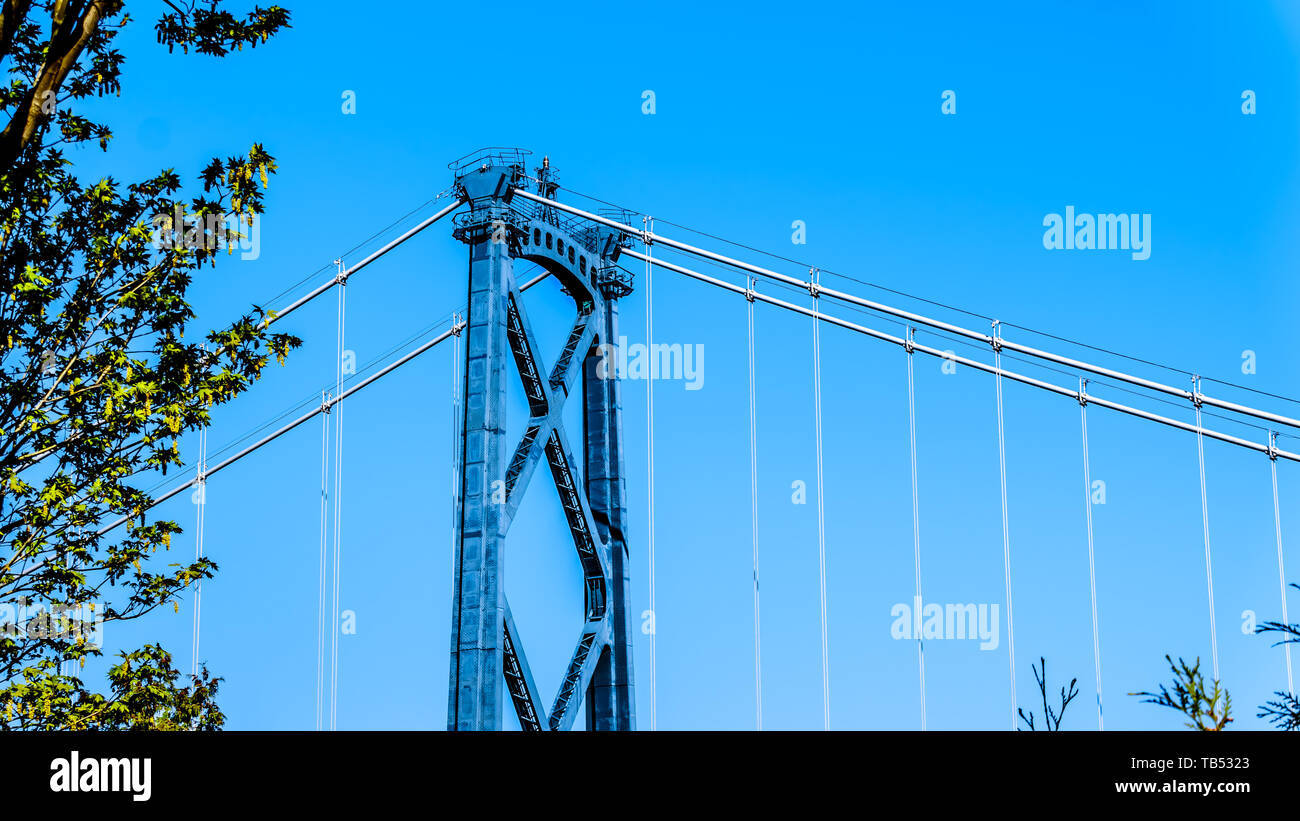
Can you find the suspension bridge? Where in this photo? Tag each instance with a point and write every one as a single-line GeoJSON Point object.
{"type": "Point", "coordinates": [506, 214]}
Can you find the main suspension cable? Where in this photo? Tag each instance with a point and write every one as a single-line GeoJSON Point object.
{"type": "Point", "coordinates": [972, 363]}
{"type": "Point", "coordinates": [266, 440]}
{"type": "Point", "coordinates": [934, 302]}
{"type": "Point", "coordinates": [914, 317]}
{"type": "Point", "coordinates": [363, 243]}
{"type": "Point", "coordinates": [342, 277]}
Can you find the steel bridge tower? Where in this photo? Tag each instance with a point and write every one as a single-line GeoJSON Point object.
{"type": "Point", "coordinates": [487, 649]}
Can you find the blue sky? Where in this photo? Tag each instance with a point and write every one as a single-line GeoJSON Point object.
{"type": "Point", "coordinates": [825, 113]}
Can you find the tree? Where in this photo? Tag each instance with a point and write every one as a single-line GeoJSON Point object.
{"type": "Point", "coordinates": [1191, 698]}
{"type": "Point", "coordinates": [97, 378]}
{"type": "Point", "coordinates": [1051, 718]}
{"type": "Point", "coordinates": [1283, 712]}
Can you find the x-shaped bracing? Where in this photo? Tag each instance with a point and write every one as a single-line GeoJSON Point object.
{"type": "Point", "coordinates": [544, 438]}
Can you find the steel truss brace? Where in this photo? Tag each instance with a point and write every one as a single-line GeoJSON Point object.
{"type": "Point", "coordinates": [544, 438]}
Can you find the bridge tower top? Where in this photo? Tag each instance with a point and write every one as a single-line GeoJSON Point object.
{"type": "Point", "coordinates": [487, 180]}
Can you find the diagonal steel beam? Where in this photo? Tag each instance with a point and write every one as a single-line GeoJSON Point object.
{"type": "Point", "coordinates": [593, 553]}
{"type": "Point", "coordinates": [527, 356]}
{"type": "Point", "coordinates": [595, 635]}
{"type": "Point", "coordinates": [543, 411]}
{"type": "Point", "coordinates": [568, 367]}
{"type": "Point", "coordinates": [519, 678]}
{"type": "Point", "coordinates": [552, 393]}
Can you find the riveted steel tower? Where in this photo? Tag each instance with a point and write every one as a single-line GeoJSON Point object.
{"type": "Point", "coordinates": [487, 650]}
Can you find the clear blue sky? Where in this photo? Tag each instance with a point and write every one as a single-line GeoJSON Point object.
{"type": "Point", "coordinates": [826, 113]}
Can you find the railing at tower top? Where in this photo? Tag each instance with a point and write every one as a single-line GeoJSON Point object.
{"type": "Point", "coordinates": [516, 212]}
{"type": "Point", "coordinates": [499, 156]}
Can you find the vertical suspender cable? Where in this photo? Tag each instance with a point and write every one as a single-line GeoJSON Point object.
{"type": "Point", "coordinates": [1205, 523]}
{"type": "Point", "coordinates": [200, 497]}
{"type": "Point", "coordinates": [1006, 534]}
{"type": "Point", "coordinates": [456, 422]}
{"type": "Point", "coordinates": [324, 542]}
{"type": "Point", "coordinates": [648, 223]}
{"type": "Point", "coordinates": [338, 479]}
{"type": "Point", "coordinates": [1281, 569]}
{"type": "Point", "coordinates": [916, 518]}
{"type": "Point", "coordinates": [1092, 568]}
{"type": "Point", "coordinates": [821, 507]}
{"type": "Point", "coordinates": [753, 497]}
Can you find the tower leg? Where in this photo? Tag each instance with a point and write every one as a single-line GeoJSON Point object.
{"type": "Point", "coordinates": [610, 696]}
{"type": "Point", "coordinates": [477, 684]}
